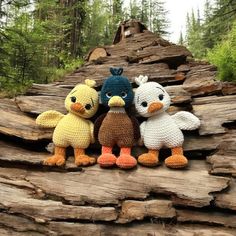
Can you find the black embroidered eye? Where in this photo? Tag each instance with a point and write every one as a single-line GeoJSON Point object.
{"type": "Point", "coordinates": [124, 94]}
{"type": "Point", "coordinates": [88, 106]}
{"type": "Point", "coordinates": [73, 99]}
{"type": "Point", "coordinates": [109, 94]}
{"type": "Point", "coordinates": [161, 96]}
{"type": "Point", "coordinates": [144, 104]}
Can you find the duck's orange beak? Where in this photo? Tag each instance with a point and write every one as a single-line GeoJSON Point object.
{"type": "Point", "coordinates": [155, 106]}
{"type": "Point", "coordinates": [78, 107]}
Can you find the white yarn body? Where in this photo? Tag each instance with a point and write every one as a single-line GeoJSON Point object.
{"type": "Point", "coordinates": [161, 131]}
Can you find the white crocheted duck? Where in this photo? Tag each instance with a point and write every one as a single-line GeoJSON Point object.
{"type": "Point", "coordinates": [161, 129]}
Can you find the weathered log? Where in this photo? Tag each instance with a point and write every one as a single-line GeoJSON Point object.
{"type": "Point", "coordinates": [38, 200]}
{"type": "Point", "coordinates": [97, 53]}
{"type": "Point", "coordinates": [10, 153]}
{"type": "Point", "coordinates": [127, 29]}
{"type": "Point", "coordinates": [13, 122]}
{"type": "Point", "coordinates": [141, 229]}
{"type": "Point", "coordinates": [137, 210]}
{"type": "Point", "coordinates": [183, 68]}
{"type": "Point", "coordinates": [173, 55]}
{"type": "Point", "coordinates": [209, 217]}
{"type": "Point", "coordinates": [124, 185]}
{"type": "Point", "coordinates": [101, 72]}
{"type": "Point", "coordinates": [223, 163]}
{"type": "Point", "coordinates": [13, 154]}
{"type": "Point", "coordinates": [202, 82]}
{"type": "Point", "coordinates": [213, 112]}
{"type": "Point", "coordinates": [47, 90]}
{"type": "Point", "coordinates": [42, 211]}
{"type": "Point", "coordinates": [136, 43]}
{"type": "Point", "coordinates": [178, 94]}
{"type": "Point", "coordinates": [228, 88]}
{"type": "Point", "coordinates": [15, 225]}
{"type": "Point", "coordinates": [39, 104]}
{"type": "Point", "coordinates": [227, 200]}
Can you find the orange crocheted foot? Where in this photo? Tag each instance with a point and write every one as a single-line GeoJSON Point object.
{"type": "Point", "coordinates": [57, 159]}
{"type": "Point", "coordinates": [149, 159]}
{"type": "Point", "coordinates": [107, 159]}
{"type": "Point", "coordinates": [177, 160]}
{"type": "Point", "coordinates": [84, 160]}
{"type": "Point", "coordinates": [125, 160]}
{"type": "Point", "coordinates": [81, 159]}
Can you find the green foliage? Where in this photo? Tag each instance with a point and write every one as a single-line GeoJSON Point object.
{"type": "Point", "coordinates": [33, 47]}
{"type": "Point", "coordinates": [181, 39]}
{"type": "Point", "coordinates": [194, 35]}
{"type": "Point", "coordinates": [223, 55]}
{"type": "Point", "coordinates": [42, 40]}
{"type": "Point", "coordinates": [152, 13]}
{"type": "Point", "coordinates": [204, 33]}
{"type": "Point", "coordinates": [207, 38]}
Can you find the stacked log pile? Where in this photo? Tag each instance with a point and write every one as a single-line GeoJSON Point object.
{"type": "Point", "coordinates": [200, 200]}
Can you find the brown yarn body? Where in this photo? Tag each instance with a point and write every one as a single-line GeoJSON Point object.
{"type": "Point", "coordinates": [116, 129]}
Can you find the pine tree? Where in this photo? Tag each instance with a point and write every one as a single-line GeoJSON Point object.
{"type": "Point", "coordinates": [194, 35]}
{"type": "Point", "coordinates": [181, 39]}
{"type": "Point", "coordinates": [144, 12]}
{"type": "Point", "coordinates": [150, 12]}
{"type": "Point", "coordinates": [158, 17]}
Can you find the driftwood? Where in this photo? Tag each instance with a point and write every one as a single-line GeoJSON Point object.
{"type": "Point", "coordinates": [39, 200]}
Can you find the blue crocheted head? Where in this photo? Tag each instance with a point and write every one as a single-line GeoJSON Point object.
{"type": "Point", "coordinates": [117, 85]}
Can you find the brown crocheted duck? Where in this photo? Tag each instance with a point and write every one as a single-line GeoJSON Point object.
{"type": "Point", "coordinates": [117, 127]}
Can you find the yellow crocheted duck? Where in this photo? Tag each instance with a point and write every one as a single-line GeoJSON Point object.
{"type": "Point", "coordinates": [73, 129]}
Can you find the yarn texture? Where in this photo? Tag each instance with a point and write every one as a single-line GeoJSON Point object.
{"type": "Point", "coordinates": [117, 128]}
{"type": "Point", "coordinates": [161, 129]}
{"type": "Point", "coordinates": [73, 129]}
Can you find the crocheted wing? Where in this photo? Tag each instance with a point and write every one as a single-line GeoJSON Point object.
{"type": "Point", "coordinates": [186, 120]}
{"type": "Point", "coordinates": [49, 119]}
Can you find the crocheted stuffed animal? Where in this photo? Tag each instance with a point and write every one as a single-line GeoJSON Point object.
{"type": "Point", "coordinates": [73, 129]}
{"type": "Point", "coordinates": [116, 127]}
{"type": "Point", "coordinates": [161, 129]}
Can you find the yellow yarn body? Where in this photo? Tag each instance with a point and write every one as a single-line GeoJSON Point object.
{"type": "Point", "coordinates": [73, 131]}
